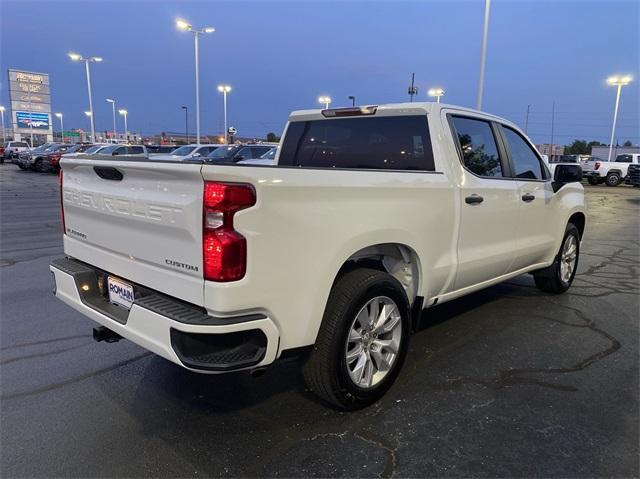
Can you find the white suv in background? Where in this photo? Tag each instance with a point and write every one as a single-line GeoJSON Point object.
{"type": "Point", "coordinates": [13, 148]}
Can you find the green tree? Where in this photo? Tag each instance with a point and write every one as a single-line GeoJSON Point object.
{"type": "Point", "coordinates": [272, 137]}
{"type": "Point", "coordinates": [578, 147]}
{"type": "Point", "coordinates": [627, 143]}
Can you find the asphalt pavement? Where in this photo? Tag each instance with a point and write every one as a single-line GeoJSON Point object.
{"type": "Point", "coordinates": [508, 382]}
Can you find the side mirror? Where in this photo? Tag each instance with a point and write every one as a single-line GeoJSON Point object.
{"type": "Point", "coordinates": [115, 153]}
{"type": "Point", "coordinates": [238, 158]}
{"type": "Point", "coordinates": [564, 174]}
{"type": "Point", "coordinates": [196, 155]}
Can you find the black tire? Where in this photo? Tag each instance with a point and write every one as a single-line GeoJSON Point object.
{"type": "Point", "coordinates": [21, 166]}
{"type": "Point", "coordinates": [593, 181]}
{"type": "Point", "coordinates": [37, 166]}
{"type": "Point", "coordinates": [549, 279]}
{"type": "Point", "coordinates": [326, 371]}
{"type": "Point", "coordinates": [613, 179]}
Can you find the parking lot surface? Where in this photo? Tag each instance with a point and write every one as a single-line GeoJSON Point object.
{"type": "Point", "coordinates": [506, 382]}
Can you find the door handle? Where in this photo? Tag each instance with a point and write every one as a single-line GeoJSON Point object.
{"type": "Point", "coordinates": [527, 197]}
{"type": "Point", "coordinates": [473, 199]}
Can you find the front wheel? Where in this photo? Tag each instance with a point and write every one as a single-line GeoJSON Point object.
{"type": "Point", "coordinates": [558, 277]}
{"type": "Point", "coordinates": [593, 180]}
{"type": "Point", "coordinates": [613, 179]}
{"type": "Point", "coordinates": [362, 342]}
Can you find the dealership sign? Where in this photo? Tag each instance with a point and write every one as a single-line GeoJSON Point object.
{"type": "Point", "coordinates": [30, 96]}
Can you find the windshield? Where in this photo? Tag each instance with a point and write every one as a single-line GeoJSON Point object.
{"type": "Point", "coordinates": [51, 148]}
{"type": "Point", "coordinates": [94, 149]}
{"type": "Point", "coordinates": [109, 149]}
{"type": "Point", "coordinates": [42, 147]}
{"type": "Point", "coordinates": [183, 151]}
{"type": "Point", "coordinates": [223, 152]}
{"type": "Point", "coordinates": [269, 155]}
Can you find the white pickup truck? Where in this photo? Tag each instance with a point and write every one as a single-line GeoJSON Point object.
{"type": "Point", "coordinates": [611, 173]}
{"type": "Point", "coordinates": [370, 215]}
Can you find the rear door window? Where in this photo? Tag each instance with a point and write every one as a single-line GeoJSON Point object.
{"type": "Point", "coordinates": [478, 146]}
{"type": "Point", "coordinates": [380, 143]}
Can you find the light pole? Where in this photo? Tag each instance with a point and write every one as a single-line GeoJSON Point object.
{"type": "Point", "coordinates": [326, 100]}
{"type": "Point", "coordinates": [186, 122]}
{"type": "Point", "coordinates": [437, 92]}
{"type": "Point", "coordinates": [113, 108]}
{"type": "Point", "coordinates": [353, 100]}
{"type": "Point", "coordinates": [224, 89]}
{"type": "Point", "coordinates": [59, 115]}
{"type": "Point", "coordinates": [183, 25]}
{"type": "Point", "coordinates": [618, 81]}
{"type": "Point", "coordinates": [90, 116]}
{"type": "Point", "coordinates": [4, 139]}
{"type": "Point", "coordinates": [483, 57]}
{"type": "Point", "coordinates": [78, 58]}
{"type": "Point", "coordinates": [126, 129]}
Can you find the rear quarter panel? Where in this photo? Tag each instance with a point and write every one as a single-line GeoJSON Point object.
{"type": "Point", "coordinates": [307, 223]}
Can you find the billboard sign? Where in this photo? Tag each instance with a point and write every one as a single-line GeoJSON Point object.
{"type": "Point", "coordinates": [30, 95]}
{"type": "Point", "coordinates": [28, 120]}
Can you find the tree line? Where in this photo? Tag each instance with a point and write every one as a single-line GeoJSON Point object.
{"type": "Point", "coordinates": [582, 147]}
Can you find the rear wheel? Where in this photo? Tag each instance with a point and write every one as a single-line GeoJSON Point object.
{"type": "Point", "coordinates": [613, 179]}
{"type": "Point", "coordinates": [362, 341]}
{"type": "Point", "coordinates": [558, 277]}
{"type": "Point", "coordinates": [37, 166]}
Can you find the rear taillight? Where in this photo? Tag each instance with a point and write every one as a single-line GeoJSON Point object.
{"type": "Point", "coordinates": [64, 230]}
{"type": "Point", "coordinates": [597, 165]}
{"type": "Point", "coordinates": [224, 250]}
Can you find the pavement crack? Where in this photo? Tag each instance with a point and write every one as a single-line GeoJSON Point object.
{"type": "Point", "coordinates": [392, 460]}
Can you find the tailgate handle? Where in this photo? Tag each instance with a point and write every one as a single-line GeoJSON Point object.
{"type": "Point", "coordinates": [108, 173]}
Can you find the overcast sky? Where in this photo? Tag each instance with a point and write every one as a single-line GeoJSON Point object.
{"type": "Point", "coordinates": [279, 56]}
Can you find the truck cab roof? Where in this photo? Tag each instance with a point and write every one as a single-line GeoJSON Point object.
{"type": "Point", "coordinates": [389, 109]}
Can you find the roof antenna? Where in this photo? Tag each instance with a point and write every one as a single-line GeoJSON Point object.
{"type": "Point", "coordinates": [413, 90]}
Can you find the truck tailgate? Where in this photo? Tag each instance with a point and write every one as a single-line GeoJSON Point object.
{"type": "Point", "coordinates": [139, 220]}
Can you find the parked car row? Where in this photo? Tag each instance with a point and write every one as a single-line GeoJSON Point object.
{"type": "Point", "coordinates": [597, 171]}
{"type": "Point", "coordinates": [46, 158]}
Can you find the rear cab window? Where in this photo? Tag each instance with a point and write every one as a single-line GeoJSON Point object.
{"type": "Point", "coordinates": [370, 143]}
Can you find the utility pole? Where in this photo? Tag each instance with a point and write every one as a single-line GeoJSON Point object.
{"type": "Point", "coordinates": [413, 90]}
{"type": "Point", "coordinates": [526, 120]}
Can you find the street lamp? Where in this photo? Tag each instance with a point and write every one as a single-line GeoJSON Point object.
{"type": "Point", "coordinates": [483, 57]}
{"type": "Point", "coordinates": [79, 58]}
{"type": "Point", "coordinates": [326, 100]}
{"type": "Point", "coordinates": [4, 140]}
{"type": "Point", "coordinates": [224, 89]}
{"type": "Point", "coordinates": [618, 81]}
{"type": "Point", "coordinates": [126, 129]}
{"type": "Point", "coordinates": [59, 115]}
{"type": "Point", "coordinates": [437, 92]}
{"type": "Point", "coordinates": [353, 100]}
{"type": "Point", "coordinates": [186, 122]}
{"type": "Point", "coordinates": [113, 108]}
{"type": "Point", "coordinates": [187, 27]}
{"type": "Point", "coordinates": [90, 116]}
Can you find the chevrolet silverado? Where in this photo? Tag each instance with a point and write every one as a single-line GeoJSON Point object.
{"type": "Point", "coordinates": [368, 216]}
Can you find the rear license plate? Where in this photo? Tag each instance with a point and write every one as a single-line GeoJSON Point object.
{"type": "Point", "coordinates": [120, 293]}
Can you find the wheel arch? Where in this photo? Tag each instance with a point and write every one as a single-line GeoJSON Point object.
{"type": "Point", "coordinates": [579, 219]}
{"type": "Point", "coordinates": [399, 260]}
